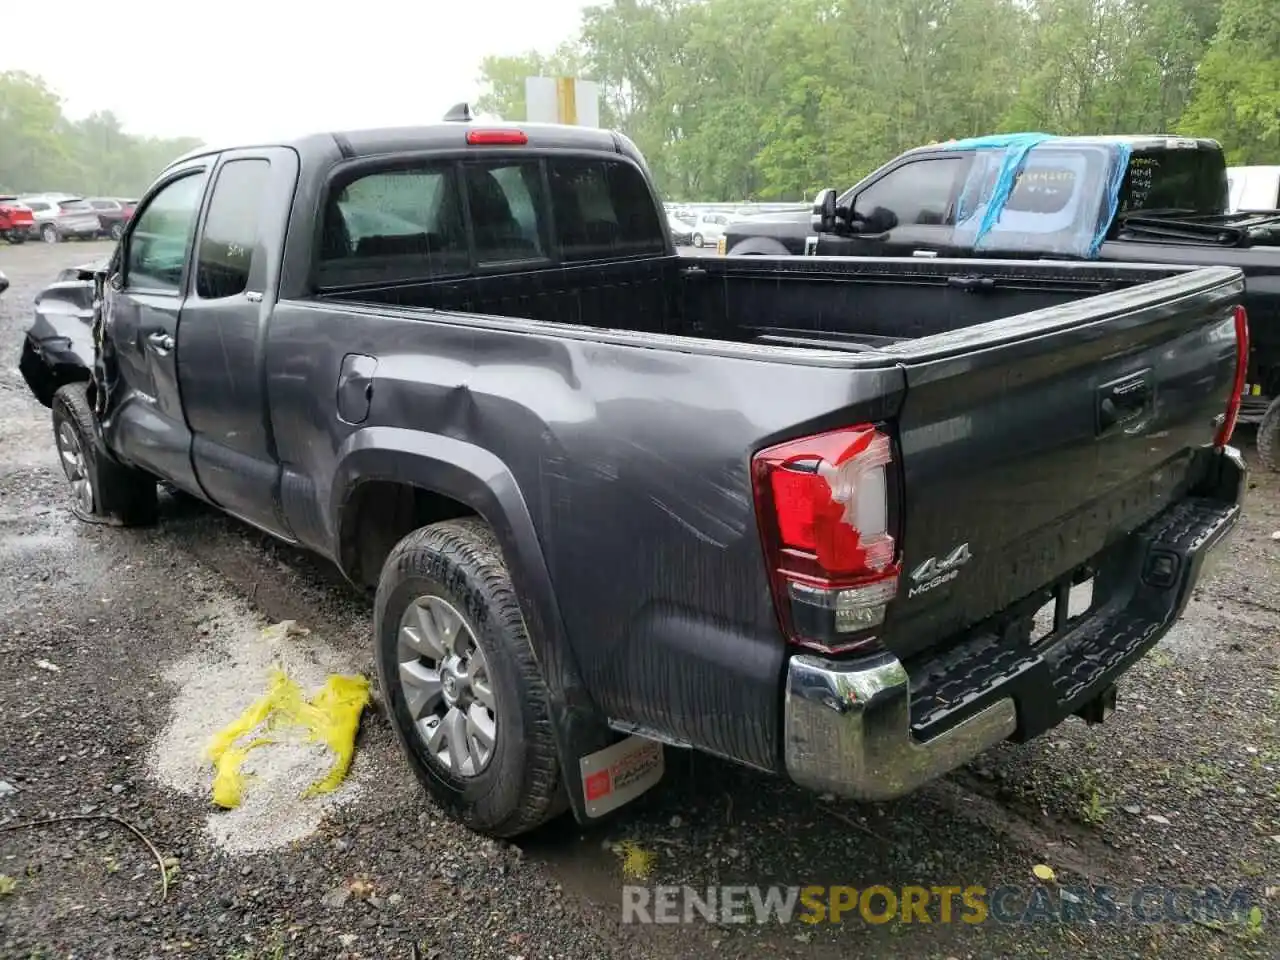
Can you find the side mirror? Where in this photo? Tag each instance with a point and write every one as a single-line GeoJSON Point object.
{"type": "Point", "coordinates": [879, 220]}
{"type": "Point", "coordinates": [823, 219]}
{"type": "Point", "coordinates": [115, 281]}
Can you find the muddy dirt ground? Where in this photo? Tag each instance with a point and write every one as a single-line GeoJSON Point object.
{"type": "Point", "coordinates": [1179, 788]}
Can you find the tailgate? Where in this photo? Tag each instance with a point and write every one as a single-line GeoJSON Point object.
{"type": "Point", "coordinates": [1029, 444]}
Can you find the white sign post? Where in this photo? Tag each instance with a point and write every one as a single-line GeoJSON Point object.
{"type": "Point", "coordinates": [566, 100]}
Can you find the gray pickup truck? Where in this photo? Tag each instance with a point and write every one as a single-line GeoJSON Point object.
{"type": "Point", "coordinates": [851, 521]}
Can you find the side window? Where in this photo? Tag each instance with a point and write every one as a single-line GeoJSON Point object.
{"type": "Point", "coordinates": [37, 206]}
{"type": "Point", "coordinates": [919, 192]}
{"type": "Point", "coordinates": [504, 200]}
{"type": "Point", "coordinates": [602, 208]}
{"type": "Point", "coordinates": [230, 237]}
{"type": "Point", "coordinates": [389, 225]}
{"type": "Point", "coordinates": [161, 236]}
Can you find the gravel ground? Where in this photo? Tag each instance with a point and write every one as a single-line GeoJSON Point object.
{"type": "Point", "coordinates": [148, 629]}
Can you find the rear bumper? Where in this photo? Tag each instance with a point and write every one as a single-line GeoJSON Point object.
{"type": "Point", "coordinates": [870, 729]}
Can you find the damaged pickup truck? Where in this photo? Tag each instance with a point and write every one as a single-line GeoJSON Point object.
{"type": "Point", "coordinates": [799, 513]}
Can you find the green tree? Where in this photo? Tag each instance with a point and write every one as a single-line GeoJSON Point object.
{"type": "Point", "coordinates": [748, 99]}
{"type": "Point", "coordinates": [40, 149]}
{"type": "Point", "coordinates": [1237, 90]}
{"type": "Point", "coordinates": [31, 149]}
{"type": "Point", "coordinates": [504, 77]}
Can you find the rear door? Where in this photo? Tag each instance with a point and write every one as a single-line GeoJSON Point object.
{"type": "Point", "coordinates": [143, 302]}
{"type": "Point", "coordinates": [220, 352]}
{"type": "Point", "coordinates": [1022, 459]}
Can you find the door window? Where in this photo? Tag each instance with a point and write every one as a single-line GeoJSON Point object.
{"type": "Point", "coordinates": [230, 238]}
{"type": "Point", "coordinates": [161, 236]}
{"type": "Point", "coordinates": [918, 192]}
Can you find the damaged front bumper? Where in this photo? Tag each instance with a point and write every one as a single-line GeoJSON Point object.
{"type": "Point", "coordinates": [869, 729]}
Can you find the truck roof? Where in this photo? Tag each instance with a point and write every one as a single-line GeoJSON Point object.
{"type": "Point", "coordinates": [1139, 141]}
{"type": "Point", "coordinates": [445, 135]}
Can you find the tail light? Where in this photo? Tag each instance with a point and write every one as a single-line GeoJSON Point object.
{"type": "Point", "coordinates": [823, 507]}
{"type": "Point", "coordinates": [1238, 384]}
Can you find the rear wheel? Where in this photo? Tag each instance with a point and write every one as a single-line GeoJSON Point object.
{"type": "Point", "coordinates": [117, 231]}
{"type": "Point", "coordinates": [463, 689]}
{"type": "Point", "coordinates": [49, 233]}
{"type": "Point", "coordinates": [103, 490]}
{"type": "Point", "coordinates": [1269, 437]}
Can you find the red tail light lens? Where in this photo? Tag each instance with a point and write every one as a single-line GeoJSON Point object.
{"type": "Point", "coordinates": [496, 138]}
{"type": "Point", "coordinates": [823, 507]}
{"type": "Point", "coordinates": [1238, 386]}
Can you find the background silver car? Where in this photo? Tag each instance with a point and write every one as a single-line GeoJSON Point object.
{"type": "Point", "coordinates": [60, 216]}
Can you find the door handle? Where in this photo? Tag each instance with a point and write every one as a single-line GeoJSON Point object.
{"type": "Point", "coordinates": [160, 342]}
{"type": "Point", "coordinates": [928, 254]}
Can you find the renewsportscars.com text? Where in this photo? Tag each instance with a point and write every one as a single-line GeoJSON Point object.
{"type": "Point", "coordinates": [971, 904]}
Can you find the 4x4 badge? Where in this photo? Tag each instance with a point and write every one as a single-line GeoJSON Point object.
{"type": "Point", "coordinates": [934, 572]}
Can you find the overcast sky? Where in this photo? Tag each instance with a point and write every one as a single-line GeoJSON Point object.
{"type": "Point", "coordinates": [243, 69]}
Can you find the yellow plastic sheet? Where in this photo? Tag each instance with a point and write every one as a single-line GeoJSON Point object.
{"type": "Point", "coordinates": [331, 717]}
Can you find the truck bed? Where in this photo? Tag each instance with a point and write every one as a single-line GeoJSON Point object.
{"type": "Point", "coordinates": [844, 305]}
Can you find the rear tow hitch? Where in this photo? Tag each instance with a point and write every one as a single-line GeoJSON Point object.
{"type": "Point", "coordinates": [1100, 707]}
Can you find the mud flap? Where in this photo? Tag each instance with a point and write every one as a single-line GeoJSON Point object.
{"type": "Point", "coordinates": [619, 773]}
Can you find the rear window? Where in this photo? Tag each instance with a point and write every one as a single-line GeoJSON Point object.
{"type": "Point", "coordinates": [443, 218]}
{"type": "Point", "coordinates": [1042, 189]}
{"type": "Point", "coordinates": [394, 225]}
{"type": "Point", "coordinates": [603, 209]}
{"type": "Point", "coordinates": [74, 206]}
{"type": "Point", "coordinates": [1188, 180]}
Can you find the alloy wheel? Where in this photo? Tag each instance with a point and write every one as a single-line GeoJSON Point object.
{"type": "Point", "coordinates": [447, 686]}
{"type": "Point", "coordinates": [75, 466]}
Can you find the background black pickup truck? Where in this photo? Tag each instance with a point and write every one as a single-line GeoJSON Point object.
{"type": "Point", "coordinates": [799, 513]}
{"type": "Point", "coordinates": [1170, 207]}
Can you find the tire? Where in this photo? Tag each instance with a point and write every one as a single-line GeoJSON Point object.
{"type": "Point", "coordinates": [457, 564]}
{"type": "Point", "coordinates": [116, 231]}
{"type": "Point", "coordinates": [49, 233]}
{"type": "Point", "coordinates": [697, 240]}
{"type": "Point", "coordinates": [104, 490]}
{"type": "Point", "coordinates": [1269, 437]}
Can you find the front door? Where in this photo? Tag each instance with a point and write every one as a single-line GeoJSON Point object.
{"type": "Point", "coordinates": [142, 303]}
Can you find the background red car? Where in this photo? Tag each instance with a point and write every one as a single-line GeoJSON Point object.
{"type": "Point", "coordinates": [16, 221]}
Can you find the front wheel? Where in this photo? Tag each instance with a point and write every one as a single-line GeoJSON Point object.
{"type": "Point", "coordinates": [103, 490]}
{"type": "Point", "coordinates": [464, 692]}
{"type": "Point", "coordinates": [697, 240]}
{"type": "Point", "coordinates": [1269, 437]}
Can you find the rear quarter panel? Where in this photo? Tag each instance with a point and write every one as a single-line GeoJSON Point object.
{"type": "Point", "coordinates": [631, 456]}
